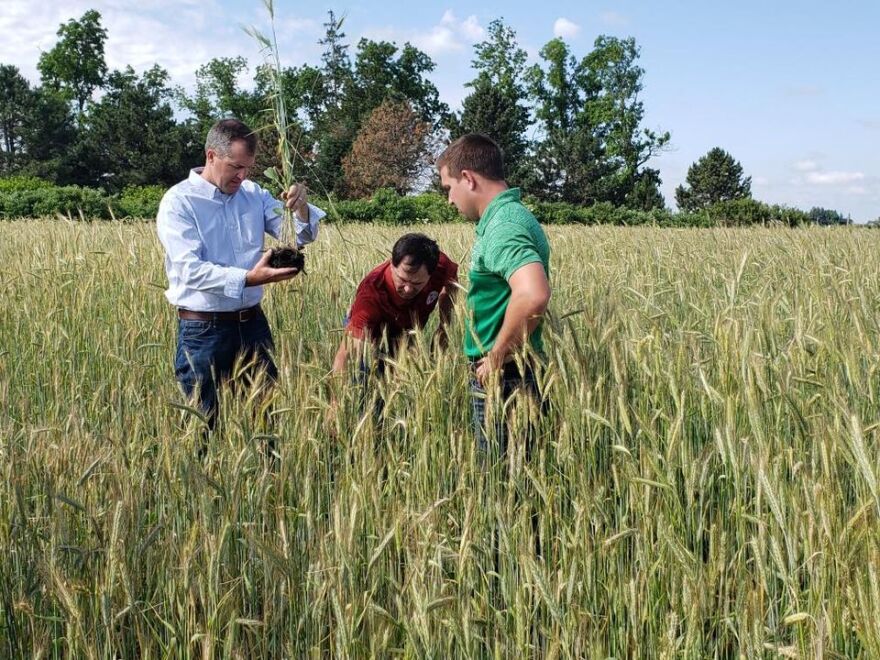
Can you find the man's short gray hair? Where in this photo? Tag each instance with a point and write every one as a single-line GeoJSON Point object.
{"type": "Point", "coordinates": [225, 132]}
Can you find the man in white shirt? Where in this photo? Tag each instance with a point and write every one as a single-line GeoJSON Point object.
{"type": "Point", "coordinates": [212, 227]}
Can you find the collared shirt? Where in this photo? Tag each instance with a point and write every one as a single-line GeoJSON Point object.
{"type": "Point", "coordinates": [378, 309]}
{"type": "Point", "coordinates": [212, 240]}
{"type": "Point", "coordinates": [508, 238]}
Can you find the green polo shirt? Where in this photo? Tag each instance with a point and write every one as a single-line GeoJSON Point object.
{"type": "Point", "coordinates": [508, 238]}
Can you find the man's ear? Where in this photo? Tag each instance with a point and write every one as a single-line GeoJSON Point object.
{"type": "Point", "coordinates": [468, 176]}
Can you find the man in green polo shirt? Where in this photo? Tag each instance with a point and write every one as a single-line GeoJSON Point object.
{"type": "Point", "coordinates": [510, 265]}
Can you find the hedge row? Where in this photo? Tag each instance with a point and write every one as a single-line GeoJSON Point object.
{"type": "Point", "coordinates": [387, 207]}
{"type": "Point", "coordinates": [26, 197]}
{"type": "Point", "coordinates": [733, 213]}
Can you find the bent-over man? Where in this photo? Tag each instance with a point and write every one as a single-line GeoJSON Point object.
{"type": "Point", "coordinates": [397, 296]}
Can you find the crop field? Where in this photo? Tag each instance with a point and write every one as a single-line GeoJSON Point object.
{"type": "Point", "coordinates": [704, 483]}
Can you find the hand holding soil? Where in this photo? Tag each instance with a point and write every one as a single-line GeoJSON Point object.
{"type": "Point", "coordinates": [264, 273]}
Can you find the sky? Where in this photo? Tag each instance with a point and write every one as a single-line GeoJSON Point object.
{"type": "Point", "coordinates": [789, 88]}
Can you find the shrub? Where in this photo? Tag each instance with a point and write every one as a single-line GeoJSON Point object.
{"type": "Point", "coordinates": [138, 202]}
{"type": "Point", "coordinates": [604, 213]}
{"type": "Point", "coordinates": [387, 207]}
{"type": "Point", "coordinates": [433, 207]}
{"type": "Point", "coordinates": [24, 197]}
{"type": "Point", "coordinates": [22, 184]}
{"type": "Point", "coordinates": [18, 203]}
{"type": "Point", "coordinates": [747, 212]}
{"type": "Point", "coordinates": [73, 201]}
{"type": "Point", "coordinates": [51, 200]}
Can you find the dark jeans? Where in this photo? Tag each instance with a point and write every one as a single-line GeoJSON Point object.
{"type": "Point", "coordinates": [207, 351]}
{"type": "Point", "coordinates": [491, 434]}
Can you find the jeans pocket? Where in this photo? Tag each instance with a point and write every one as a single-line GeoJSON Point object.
{"type": "Point", "coordinates": [191, 329]}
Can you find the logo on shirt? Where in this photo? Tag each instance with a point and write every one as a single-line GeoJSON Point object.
{"type": "Point", "coordinates": [432, 297]}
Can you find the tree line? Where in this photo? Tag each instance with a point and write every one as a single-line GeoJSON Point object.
{"type": "Point", "coordinates": [365, 119]}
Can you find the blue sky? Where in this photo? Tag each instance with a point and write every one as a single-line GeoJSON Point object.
{"type": "Point", "coordinates": [789, 88]}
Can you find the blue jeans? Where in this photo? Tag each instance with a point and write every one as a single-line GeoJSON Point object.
{"type": "Point", "coordinates": [207, 351]}
{"type": "Point", "coordinates": [494, 432]}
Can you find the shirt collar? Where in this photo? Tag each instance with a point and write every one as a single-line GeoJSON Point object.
{"type": "Point", "coordinates": [502, 198]}
{"type": "Point", "coordinates": [204, 186]}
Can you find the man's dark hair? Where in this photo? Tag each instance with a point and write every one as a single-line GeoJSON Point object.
{"type": "Point", "coordinates": [421, 250]}
{"type": "Point", "coordinates": [476, 152]}
{"type": "Point", "coordinates": [225, 132]}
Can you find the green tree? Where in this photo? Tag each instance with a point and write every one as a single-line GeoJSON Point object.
{"type": "Point", "coordinates": [390, 151]}
{"type": "Point", "coordinates": [592, 146]}
{"type": "Point", "coordinates": [496, 106]}
{"type": "Point", "coordinates": [336, 72]}
{"type": "Point", "coordinates": [219, 95]}
{"type": "Point", "coordinates": [715, 177]}
{"type": "Point", "coordinates": [645, 195]}
{"type": "Point", "coordinates": [567, 160]}
{"type": "Point", "coordinates": [612, 82]}
{"type": "Point", "coordinates": [384, 71]}
{"type": "Point", "coordinates": [131, 137]}
{"type": "Point", "coordinates": [16, 101]}
{"type": "Point", "coordinates": [822, 216]}
{"type": "Point", "coordinates": [333, 124]}
{"type": "Point", "coordinates": [348, 94]}
{"type": "Point", "coordinates": [49, 135]}
{"type": "Point", "coordinates": [75, 66]}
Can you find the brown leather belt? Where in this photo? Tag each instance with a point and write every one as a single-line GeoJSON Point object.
{"type": "Point", "coordinates": [239, 316]}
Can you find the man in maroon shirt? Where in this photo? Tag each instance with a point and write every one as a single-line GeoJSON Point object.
{"type": "Point", "coordinates": [399, 295]}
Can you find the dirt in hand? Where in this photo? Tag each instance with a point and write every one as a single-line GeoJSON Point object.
{"type": "Point", "coordinates": [287, 257]}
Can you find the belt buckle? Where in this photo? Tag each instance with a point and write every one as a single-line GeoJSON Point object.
{"type": "Point", "coordinates": [243, 315]}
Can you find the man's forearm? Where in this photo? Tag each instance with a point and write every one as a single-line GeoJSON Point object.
{"type": "Point", "coordinates": [446, 304]}
{"type": "Point", "coordinates": [522, 316]}
{"type": "Point", "coordinates": [340, 359]}
{"type": "Point", "coordinates": [347, 346]}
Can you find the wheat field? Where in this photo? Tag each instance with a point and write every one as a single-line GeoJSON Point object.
{"type": "Point", "coordinates": [705, 483]}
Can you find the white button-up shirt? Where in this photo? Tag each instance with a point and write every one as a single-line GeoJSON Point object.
{"type": "Point", "coordinates": [212, 240]}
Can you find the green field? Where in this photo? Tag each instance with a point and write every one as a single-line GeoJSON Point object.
{"type": "Point", "coordinates": [705, 483]}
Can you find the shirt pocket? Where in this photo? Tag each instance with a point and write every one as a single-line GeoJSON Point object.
{"type": "Point", "coordinates": [253, 226]}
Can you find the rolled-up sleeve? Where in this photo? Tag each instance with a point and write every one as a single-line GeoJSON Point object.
{"type": "Point", "coordinates": [306, 232]}
{"type": "Point", "coordinates": [179, 236]}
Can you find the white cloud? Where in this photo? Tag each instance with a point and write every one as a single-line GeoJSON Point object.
{"type": "Point", "coordinates": [178, 35]}
{"type": "Point", "coordinates": [565, 28]}
{"type": "Point", "coordinates": [613, 19]}
{"type": "Point", "coordinates": [857, 190]}
{"type": "Point", "coordinates": [806, 166]}
{"type": "Point", "coordinates": [440, 39]}
{"type": "Point", "coordinates": [834, 178]}
{"type": "Point", "coordinates": [450, 35]}
{"type": "Point", "coordinates": [761, 181]}
{"type": "Point", "coordinates": [472, 29]}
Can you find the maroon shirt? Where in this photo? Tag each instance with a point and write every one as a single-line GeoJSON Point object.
{"type": "Point", "coordinates": [377, 307]}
